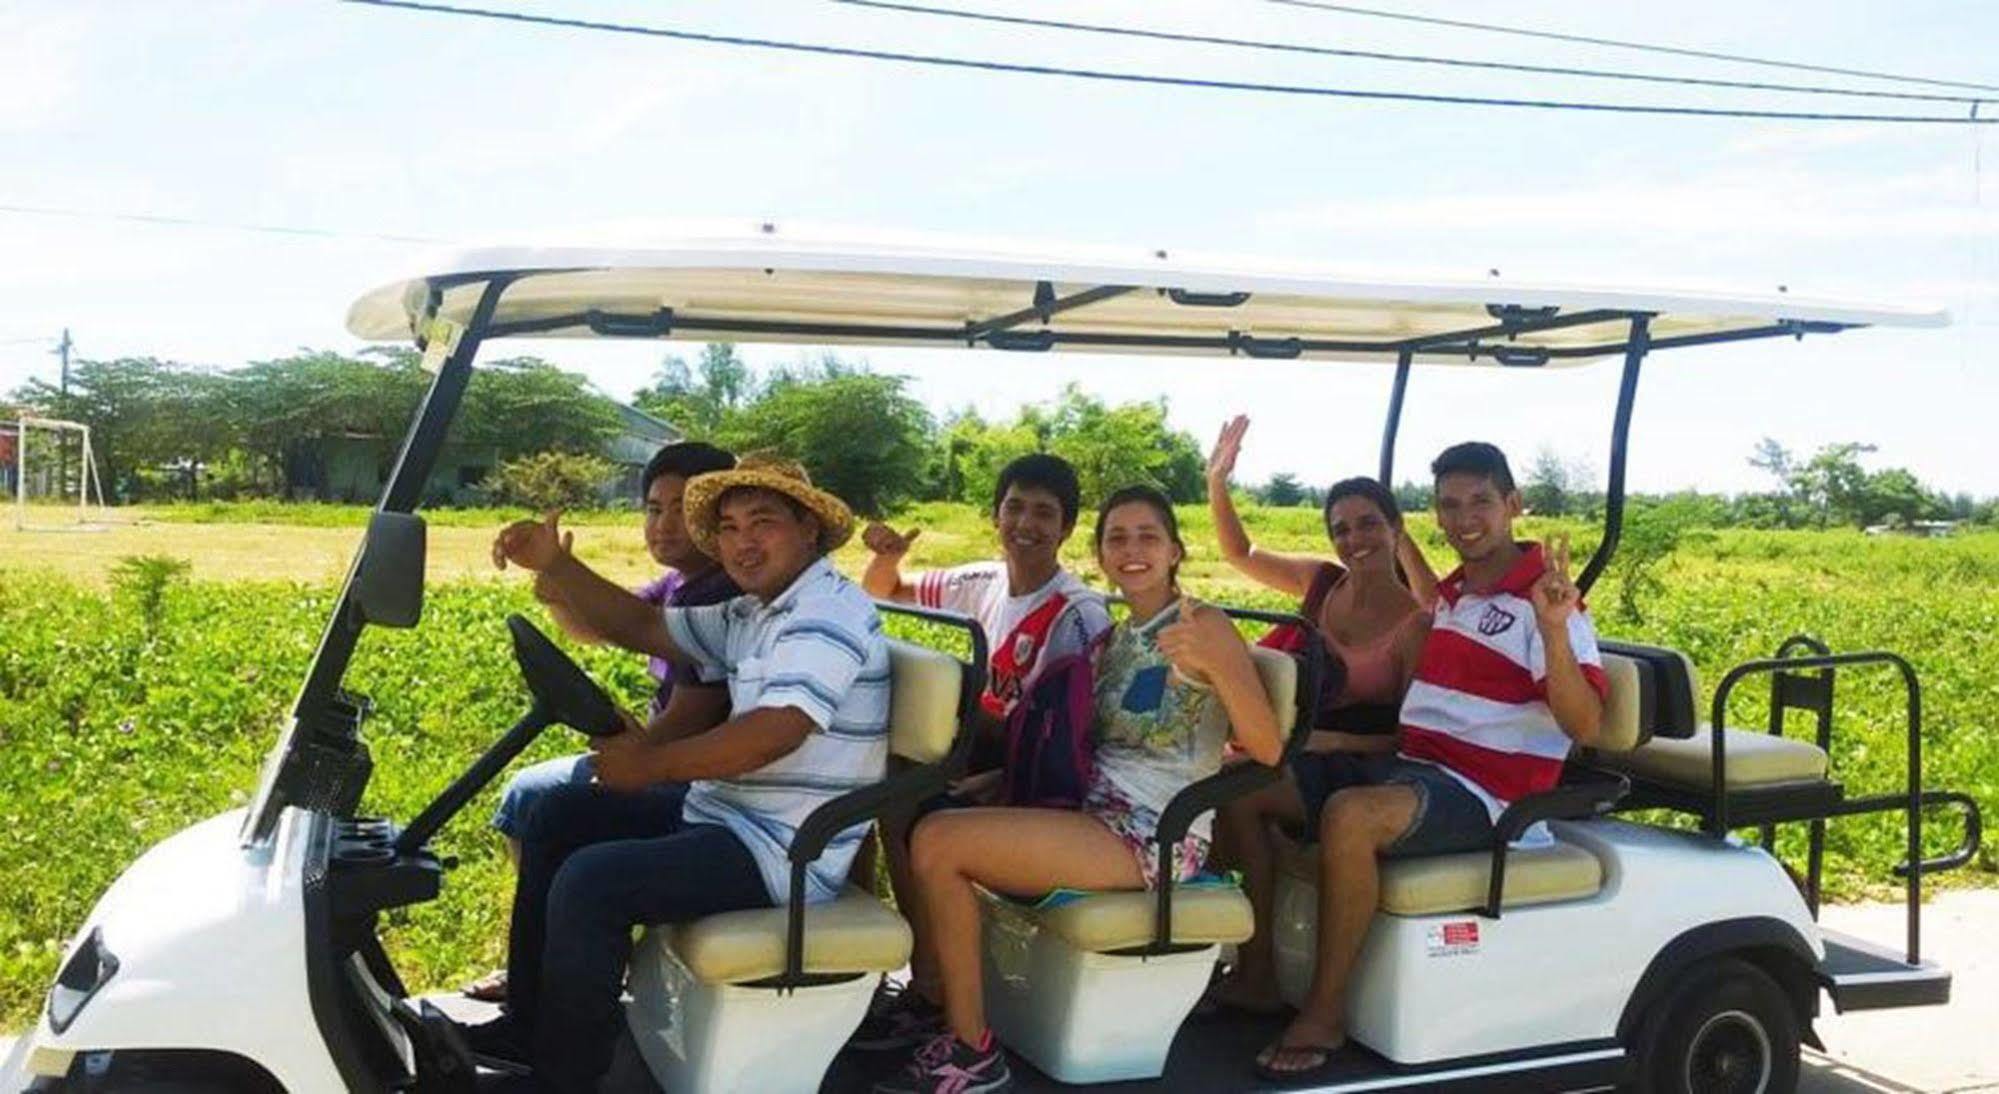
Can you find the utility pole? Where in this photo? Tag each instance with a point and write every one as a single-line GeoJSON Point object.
{"type": "Point", "coordinates": [62, 388]}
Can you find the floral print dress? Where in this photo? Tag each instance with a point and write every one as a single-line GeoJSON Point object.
{"type": "Point", "coordinates": [1157, 732]}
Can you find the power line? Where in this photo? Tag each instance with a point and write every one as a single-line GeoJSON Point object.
{"type": "Point", "coordinates": [1157, 80]}
{"type": "Point", "coordinates": [190, 222]}
{"type": "Point", "coordinates": [1408, 58]}
{"type": "Point", "coordinates": [1645, 47]}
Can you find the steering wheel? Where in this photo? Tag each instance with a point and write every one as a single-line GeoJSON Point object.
{"type": "Point", "coordinates": [561, 689]}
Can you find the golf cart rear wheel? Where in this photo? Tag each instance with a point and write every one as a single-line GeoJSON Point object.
{"type": "Point", "coordinates": [1727, 1029]}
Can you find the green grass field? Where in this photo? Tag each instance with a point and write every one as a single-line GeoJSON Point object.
{"type": "Point", "coordinates": [130, 707]}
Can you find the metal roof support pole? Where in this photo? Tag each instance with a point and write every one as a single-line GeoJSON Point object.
{"type": "Point", "coordinates": [1394, 423]}
{"type": "Point", "coordinates": [1620, 434]}
{"type": "Point", "coordinates": [400, 494]}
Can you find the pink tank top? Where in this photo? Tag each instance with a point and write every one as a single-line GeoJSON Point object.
{"type": "Point", "coordinates": [1372, 677]}
{"type": "Point", "coordinates": [1372, 673]}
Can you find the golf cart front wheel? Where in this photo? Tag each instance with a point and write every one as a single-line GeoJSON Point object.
{"type": "Point", "coordinates": [1727, 1029]}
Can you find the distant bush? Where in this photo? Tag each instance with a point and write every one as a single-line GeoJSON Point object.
{"type": "Point", "coordinates": [550, 480]}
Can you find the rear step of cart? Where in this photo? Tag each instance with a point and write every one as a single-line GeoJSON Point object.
{"type": "Point", "coordinates": [1860, 975]}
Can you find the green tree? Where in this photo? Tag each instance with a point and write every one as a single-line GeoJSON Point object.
{"type": "Point", "coordinates": [521, 405]}
{"type": "Point", "coordinates": [1282, 490]}
{"type": "Point", "coordinates": [1832, 484]}
{"type": "Point", "coordinates": [1895, 496]}
{"type": "Point", "coordinates": [1652, 533]}
{"type": "Point", "coordinates": [1112, 447]}
{"type": "Point", "coordinates": [1783, 510]}
{"type": "Point", "coordinates": [143, 414]}
{"type": "Point", "coordinates": [859, 434]}
{"type": "Point", "coordinates": [1547, 487]}
{"type": "Point", "coordinates": [700, 399]}
{"type": "Point", "coordinates": [280, 408]}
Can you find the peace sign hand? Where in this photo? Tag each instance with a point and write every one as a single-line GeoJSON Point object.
{"type": "Point", "coordinates": [1554, 596]}
{"type": "Point", "coordinates": [1228, 445]}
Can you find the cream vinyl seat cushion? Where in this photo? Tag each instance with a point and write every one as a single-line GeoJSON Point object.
{"type": "Point", "coordinates": [1754, 760]}
{"type": "Point", "coordinates": [1438, 884]}
{"type": "Point", "coordinates": [853, 933]}
{"type": "Point", "coordinates": [1101, 922]}
{"type": "Point", "coordinates": [923, 701]}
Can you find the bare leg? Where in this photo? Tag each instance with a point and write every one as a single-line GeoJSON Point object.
{"type": "Point", "coordinates": [1021, 852]}
{"type": "Point", "coordinates": [1357, 823]}
{"type": "Point", "coordinates": [1245, 823]}
{"type": "Point", "coordinates": [893, 835]}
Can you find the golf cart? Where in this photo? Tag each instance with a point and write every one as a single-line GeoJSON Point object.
{"type": "Point", "coordinates": [243, 952]}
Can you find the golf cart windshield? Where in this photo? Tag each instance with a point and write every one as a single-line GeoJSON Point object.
{"type": "Point", "coordinates": [768, 286]}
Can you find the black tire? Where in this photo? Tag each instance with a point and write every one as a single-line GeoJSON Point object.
{"type": "Point", "coordinates": [1728, 1028]}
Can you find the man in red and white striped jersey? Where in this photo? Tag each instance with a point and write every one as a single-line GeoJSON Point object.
{"type": "Point", "coordinates": [1508, 679]}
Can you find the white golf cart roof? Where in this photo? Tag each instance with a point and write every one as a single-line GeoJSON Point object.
{"type": "Point", "coordinates": [768, 284]}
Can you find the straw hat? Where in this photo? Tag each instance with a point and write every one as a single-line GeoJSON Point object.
{"type": "Point", "coordinates": [765, 472]}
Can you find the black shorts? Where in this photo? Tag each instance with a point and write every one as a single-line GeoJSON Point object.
{"type": "Point", "coordinates": [1320, 775]}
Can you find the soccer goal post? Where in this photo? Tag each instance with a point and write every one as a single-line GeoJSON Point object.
{"type": "Point", "coordinates": [52, 473]}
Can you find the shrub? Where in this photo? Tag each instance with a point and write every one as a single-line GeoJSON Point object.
{"type": "Point", "coordinates": [551, 480]}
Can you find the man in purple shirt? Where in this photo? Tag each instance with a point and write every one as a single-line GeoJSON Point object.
{"type": "Point", "coordinates": [691, 579]}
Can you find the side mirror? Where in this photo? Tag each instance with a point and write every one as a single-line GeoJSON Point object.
{"type": "Point", "coordinates": [388, 582]}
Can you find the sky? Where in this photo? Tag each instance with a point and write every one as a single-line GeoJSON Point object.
{"type": "Point", "coordinates": [387, 134]}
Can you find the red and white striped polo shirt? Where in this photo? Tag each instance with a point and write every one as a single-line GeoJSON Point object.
{"type": "Point", "coordinates": [1478, 706]}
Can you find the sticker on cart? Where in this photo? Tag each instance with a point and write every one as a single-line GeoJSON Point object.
{"type": "Point", "coordinates": [1453, 939]}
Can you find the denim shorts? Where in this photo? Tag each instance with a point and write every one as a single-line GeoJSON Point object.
{"type": "Point", "coordinates": [1320, 775]}
{"type": "Point", "coordinates": [1449, 818]}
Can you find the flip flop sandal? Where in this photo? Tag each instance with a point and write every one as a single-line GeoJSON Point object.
{"type": "Point", "coordinates": [1297, 1075]}
{"type": "Point", "coordinates": [490, 988]}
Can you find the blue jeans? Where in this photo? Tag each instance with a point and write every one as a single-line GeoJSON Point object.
{"type": "Point", "coordinates": [530, 783]}
{"type": "Point", "coordinates": [595, 864]}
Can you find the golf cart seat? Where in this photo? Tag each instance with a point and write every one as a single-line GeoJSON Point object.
{"type": "Point", "coordinates": [1414, 892]}
{"type": "Point", "coordinates": [1091, 989]}
{"type": "Point", "coordinates": [855, 933]}
{"type": "Point", "coordinates": [710, 998]}
{"type": "Point", "coordinates": [1671, 759]}
{"type": "Point", "coordinates": [1755, 761]}
{"type": "Point", "coordinates": [1445, 884]}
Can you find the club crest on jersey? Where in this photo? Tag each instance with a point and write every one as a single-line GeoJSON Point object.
{"type": "Point", "coordinates": [1496, 620]}
{"type": "Point", "coordinates": [1023, 648]}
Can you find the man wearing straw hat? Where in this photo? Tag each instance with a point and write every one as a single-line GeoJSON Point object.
{"type": "Point", "coordinates": [808, 674]}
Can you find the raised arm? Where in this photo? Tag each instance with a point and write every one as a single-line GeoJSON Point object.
{"type": "Point", "coordinates": [883, 578]}
{"type": "Point", "coordinates": [1422, 579]}
{"type": "Point", "coordinates": [1572, 698]}
{"type": "Point", "coordinates": [1205, 647]}
{"type": "Point", "coordinates": [1286, 573]}
{"type": "Point", "coordinates": [596, 604]}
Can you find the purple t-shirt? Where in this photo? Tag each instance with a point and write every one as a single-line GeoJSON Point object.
{"type": "Point", "coordinates": [673, 589]}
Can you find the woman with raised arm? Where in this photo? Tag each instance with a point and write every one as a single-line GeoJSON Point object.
{"type": "Point", "coordinates": [1158, 678]}
{"type": "Point", "coordinates": [1372, 619]}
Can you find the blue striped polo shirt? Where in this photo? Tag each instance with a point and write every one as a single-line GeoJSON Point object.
{"type": "Point", "coordinates": [817, 647]}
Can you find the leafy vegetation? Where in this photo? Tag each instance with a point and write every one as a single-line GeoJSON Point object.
{"type": "Point", "coordinates": [130, 712]}
{"type": "Point", "coordinates": [550, 480]}
{"type": "Point", "coordinates": [164, 430]}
